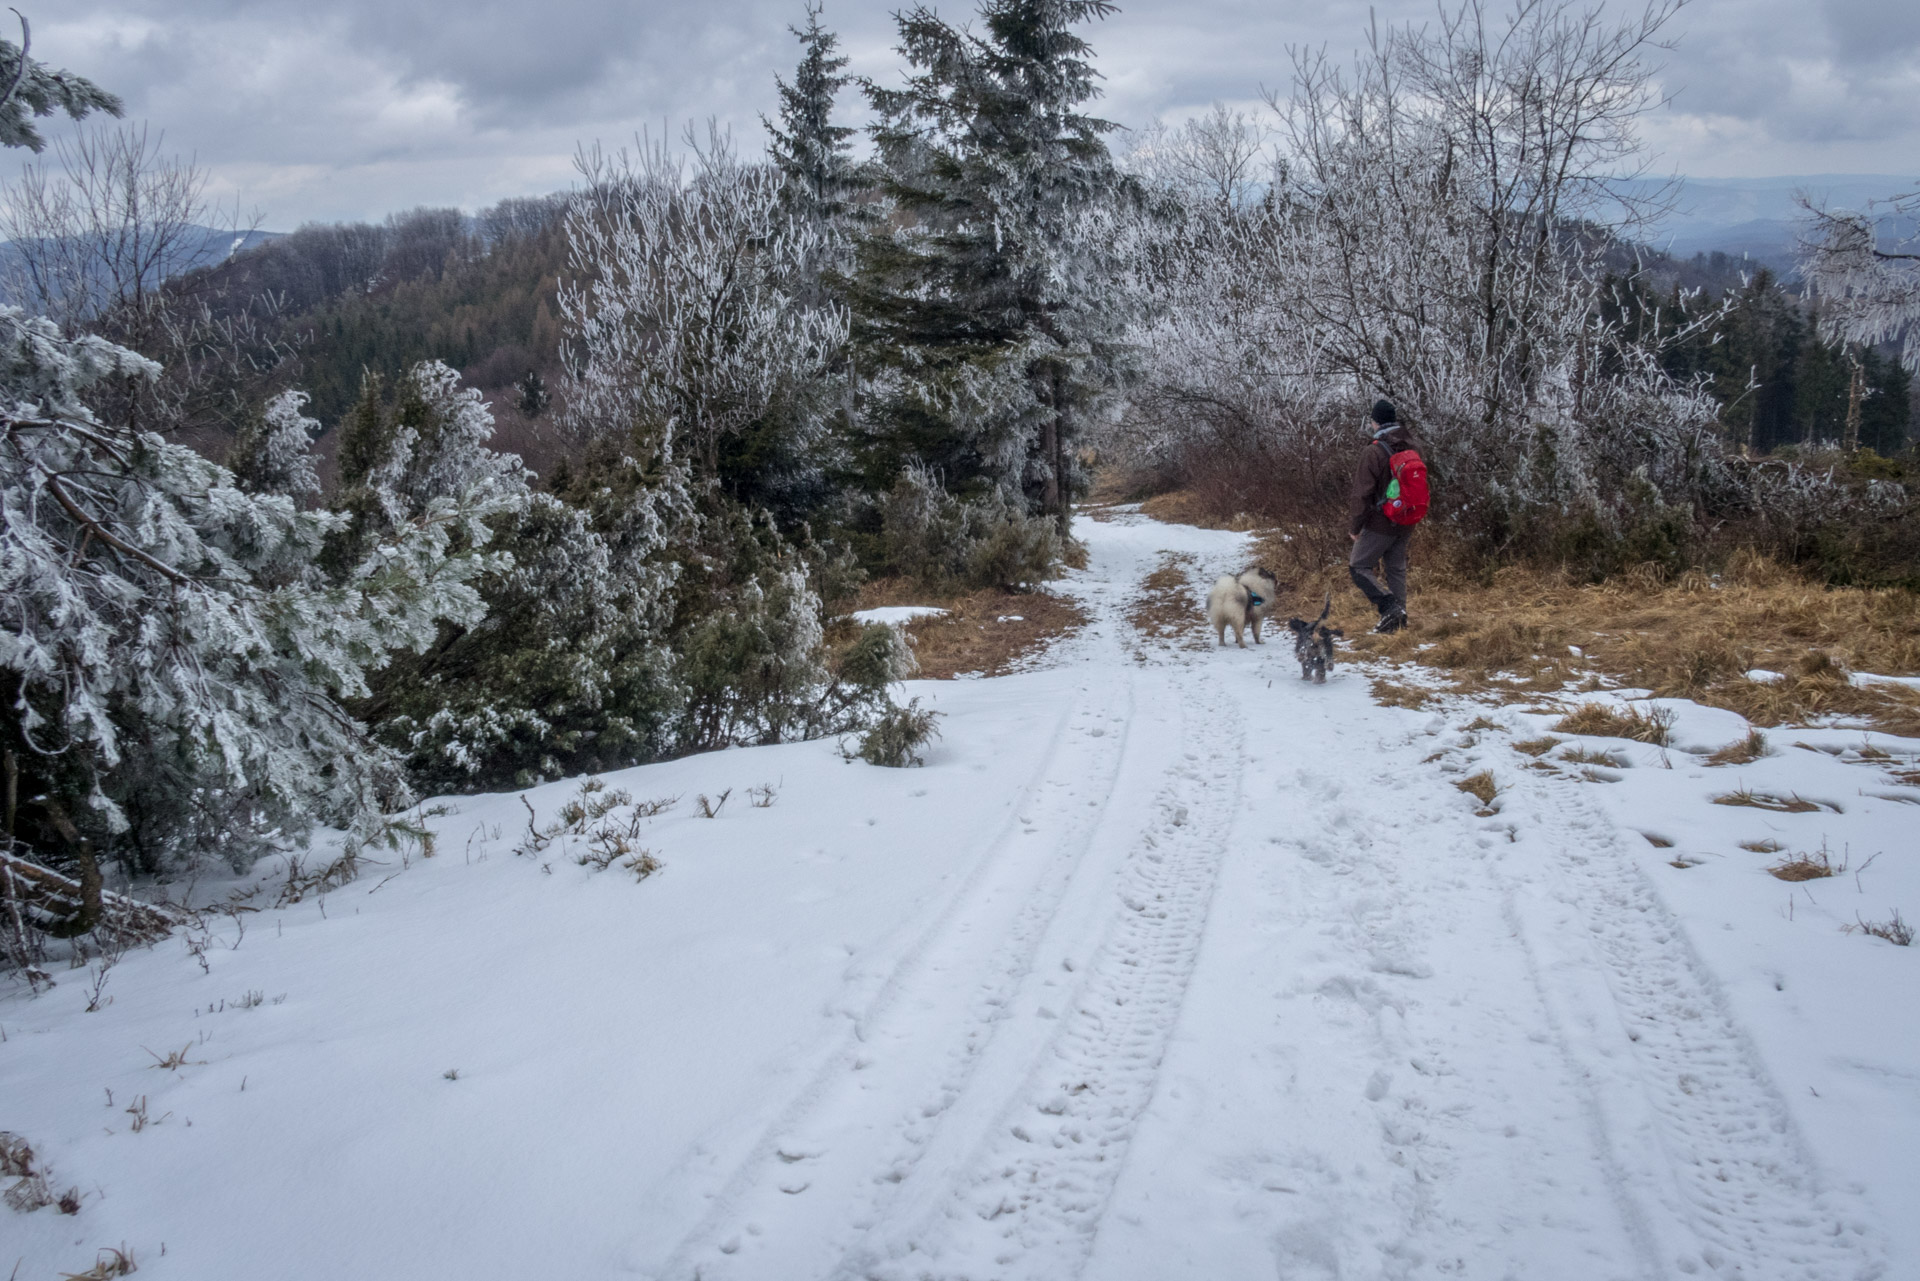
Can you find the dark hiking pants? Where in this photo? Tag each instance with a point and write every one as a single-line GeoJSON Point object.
{"type": "Point", "coordinates": [1389, 553]}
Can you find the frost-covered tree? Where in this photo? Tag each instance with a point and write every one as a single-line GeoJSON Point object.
{"type": "Point", "coordinates": [568, 672]}
{"type": "Point", "coordinates": [750, 644]}
{"type": "Point", "coordinates": [1434, 226]}
{"type": "Point", "coordinates": [534, 398]}
{"type": "Point", "coordinates": [28, 89]}
{"type": "Point", "coordinates": [1455, 190]}
{"type": "Point", "coordinates": [429, 446]}
{"type": "Point", "coordinates": [979, 309]}
{"type": "Point", "coordinates": [690, 335]}
{"type": "Point", "coordinates": [272, 454]}
{"type": "Point", "coordinates": [1870, 293]}
{"type": "Point", "coordinates": [812, 152]}
{"type": "Point", "coordinates": [170, 689]}
{"type": "Point", "coordinates": [1220, 157]}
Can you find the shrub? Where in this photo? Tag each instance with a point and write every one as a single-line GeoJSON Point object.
{"type": "Point", "coordinates": [898, 737]}
{"type": "Point", "coordinates": [1894, 930]}
{"type": "Point", "coordinates": [943, 541]}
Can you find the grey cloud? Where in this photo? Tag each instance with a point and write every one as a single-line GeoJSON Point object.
{"type": "Point", "coordinates": [366, 105]}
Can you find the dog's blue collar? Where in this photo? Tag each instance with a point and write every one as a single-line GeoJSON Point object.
{"type": "Point", "coordinates": [1255, 599]}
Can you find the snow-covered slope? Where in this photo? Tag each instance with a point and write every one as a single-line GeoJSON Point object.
{"type": "Point", "coordinates": [1167, 965]}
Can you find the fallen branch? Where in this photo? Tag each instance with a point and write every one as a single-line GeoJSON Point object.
{"type": "Point", "coordinates": [45, 900]}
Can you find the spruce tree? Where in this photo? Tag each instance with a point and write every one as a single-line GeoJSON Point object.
{"type": "Point", "coordinates": [534, 397]}
{"type": "Point", "coordinates": [809, 150]}
{"type": "Point", "coordinates": [979, 312]}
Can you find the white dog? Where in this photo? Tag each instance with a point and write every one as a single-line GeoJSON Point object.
{"type": "Point", "coordinates": [1241, 603]}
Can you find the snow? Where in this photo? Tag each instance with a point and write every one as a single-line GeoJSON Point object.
{"type": "Point", "coordinates": [1868, 678]}
{"type": "Point", "coordinates": [1167, 964]}
{"type": "Point", "coordinates": [897, 615]}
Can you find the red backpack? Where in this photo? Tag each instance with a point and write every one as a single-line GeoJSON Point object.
{"type": "Point", "coordinates": [1405, 502]}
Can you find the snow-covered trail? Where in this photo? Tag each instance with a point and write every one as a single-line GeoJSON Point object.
{"type": "Point", "coordinates": [1168, 965]}
{"type": "Point", "coordinates": [1409, 1042]}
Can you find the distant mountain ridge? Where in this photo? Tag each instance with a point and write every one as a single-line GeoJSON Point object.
{"type": "Point", "coordinates": [200, 247]}
{"type": "Point", "coordinates": [1760, 218]}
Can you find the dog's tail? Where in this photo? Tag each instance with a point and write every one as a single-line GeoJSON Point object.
{"type": "Point", "coordinates": [1324, 611]}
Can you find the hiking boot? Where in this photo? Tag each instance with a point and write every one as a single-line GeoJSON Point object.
{"type": "Point", "coordinates": [1392, 619]}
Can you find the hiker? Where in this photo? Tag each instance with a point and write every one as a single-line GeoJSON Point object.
{"type": "Point", "coordinates": [1386, 500]}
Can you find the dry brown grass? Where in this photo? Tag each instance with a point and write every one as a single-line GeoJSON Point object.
{"type": "Point", "coordinates": [990, 632]}
{"type": "Point", "coordinates": [1596, 720]}
{"type": "Point", "coordinates": [1168, 610]}
{"type": "Point", "coordinates": [1584, 756]}
{"type": "Point", "coordinates": [1658, 842]}
{"type": "Point", "coordinates": [107, 1263]}
{"type": "Point", "coordinates": [1745, 752]}
{"type": "Point", "coordinates": [1763, 847]}
{"type": "Point", "coordinates": [1183, 507]}
{"type": "Point", "coordinates": [1795, 804]}
{"type": "Point", "coordinates": [1480, 786]}
{"type": "Point", "coordinates": [1537, 746]}
{"type": "Point", "coordinates": [1389, 693]}
{"type": "Point", "coordinates": [1691, 637]}
{"type": "Point", "coordinates": [1808, 867]}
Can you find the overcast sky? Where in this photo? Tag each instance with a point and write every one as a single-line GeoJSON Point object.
{"type": "Point", "coordinates": [352, 108]}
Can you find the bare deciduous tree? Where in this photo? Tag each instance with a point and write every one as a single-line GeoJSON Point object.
{"type": "Point", "coordinates": [684, 311]}
{"type": "Point", "coordinates": [107, 239]}
{"type": "Point", "coordinates": [1434, 228]}
{"type": "Point", "coordinates": [102, 228]}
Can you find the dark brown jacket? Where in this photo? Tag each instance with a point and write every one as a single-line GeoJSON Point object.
{"type": "Point", "coordinates": [1369, 486]}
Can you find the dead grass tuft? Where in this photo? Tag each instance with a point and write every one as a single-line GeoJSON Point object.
{"type": "Point", "coordinates": [1586, 756]}
{"type": "Point", "coordinates": [1658, 842]}
{"type": "Point", "coordinates": [1480, 723]}
{"type": "Point", "coordinates": [1794, 804]}
{"type": "Point", "coordinates": [1596, 720]}
{"type": "Point", "coordinates": [1745, 752]}
{"type": "Point", "coordinates": [1808, 867]}
{"type": "Point", "coordinates": [1538, 746]}
{"type": "Point", "coordinates": [107, 1263]}
{"type": "Point", "coordinates": [1480, 786]}
{"type": "Point", "coordinates": [1763, 847]}
{"type": "Point", "coordinates": [174, 1060]}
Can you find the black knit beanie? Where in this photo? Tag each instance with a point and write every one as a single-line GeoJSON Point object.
{"type": "Point", "coordinates": [1383, 413]}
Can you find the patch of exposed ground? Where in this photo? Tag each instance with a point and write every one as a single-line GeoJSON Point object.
{"type": "Point", "coordinates": [986, 633]}
{"type": "Point", "coordinates": [1169, 610]}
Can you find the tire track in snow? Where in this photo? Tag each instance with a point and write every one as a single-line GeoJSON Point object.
{"type": "Point", "coordinates": [1028, 1201]}
{"type": "Point", "coordinates": [1747, 1198]}
{"type": "Point", "coordinates": [819, 1172]}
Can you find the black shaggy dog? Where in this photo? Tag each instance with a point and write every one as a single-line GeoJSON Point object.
{"type": "Point", "coordinates": [1313, 644]}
